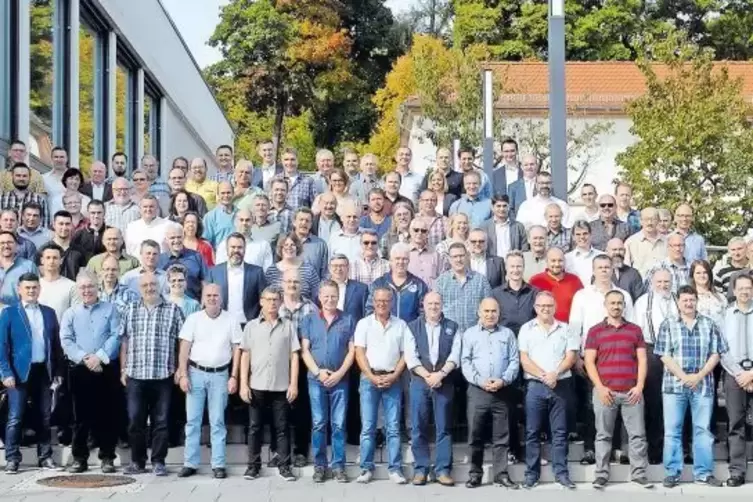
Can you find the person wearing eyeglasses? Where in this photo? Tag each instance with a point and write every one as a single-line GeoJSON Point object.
{"type": "Point", "coordinates": [532, 211]}
{"type": "Point", "coordinates": [368, 266]}
{"type": "Point", "coordinates": [141, 190]}
{"type": "Point", "coordinates": [481, 261]}
{"type": "Point", "coordinates": [195, 270]}
{"type": "Point", "coordinates": [647, 247]}
{"type": "Point", "coordinates": [675, 262]}
{"type": "Point", "coordinates": [121, 210]}
{"type": "Point", "coordinates": [425, 262]}
{"type": "Point", "coordinates": [608, 226]}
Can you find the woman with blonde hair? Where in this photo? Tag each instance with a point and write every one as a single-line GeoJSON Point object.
{"type": "Point", "coordinates": [438, 185]}
{"type": "Point", "coordinates": [459, 228]}
{"type": "Point", "coordinates": [402, 215]}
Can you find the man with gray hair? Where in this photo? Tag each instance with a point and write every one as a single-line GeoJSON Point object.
{"type": "Point", "coordinates": [535, 259]}
{"type": "Point", "coordinates": [148, 226]}
{"type": "Point", "coordinates": [675, 262]}
{"type": "Point", "coordinates": [258, 252]}
{"type": "Point", "coordinates": [325, 162]}
{"type": "Point", "coordinates": [646, 247]}
{"type": "Point", "coordinates": [121, 210]}
{"type": "Point", "coordinates": [407, 302]}
{"type": "Point", "coordinates": [734, 261]}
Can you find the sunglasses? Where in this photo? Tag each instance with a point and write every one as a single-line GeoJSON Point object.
{"type": "Point", "coordinates": [420, 230]}
{"type": "Point", "coordinates": [607, 204]}
{"type": "Point", "coordinates": [369, 243]}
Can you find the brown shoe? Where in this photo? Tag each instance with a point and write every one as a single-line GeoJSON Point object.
{"type": "Point", "coordinates": [419, 479]}
{"type": "Point", "coordinates": [445, 480]}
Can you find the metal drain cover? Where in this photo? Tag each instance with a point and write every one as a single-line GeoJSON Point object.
{"type": "Point", "coordinates": [80, 481]}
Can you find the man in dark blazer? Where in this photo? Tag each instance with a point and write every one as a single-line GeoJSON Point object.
{"type": "Point", "coordinates": [253, 279]}
{"type": "Point", "coordinates": [30, 362]}
{"type": "Point", "coordinates": [98, 188]}
{"type": "Point", "coordinates": [517, 238]}
{"type": "Point", "coordinates": [499, 180]}
{"type": "Point", "coordinates": [493, 267]}
{"type": "Point", "coordinates": [525, 186]}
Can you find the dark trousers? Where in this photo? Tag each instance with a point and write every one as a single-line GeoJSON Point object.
{"type": "Point", "coordinates": [266, 404]}
{"type": "Point", "coordinates": [95, 410]}
{"type": "Point", "coordinates": [300, 419]}
{"type": "Point", "coordinates": [544, 404]}
{"type": "Point", "coordinates": [426, 402]}
{"type": "Point", "coordinates": [581, 410]}
{"type": "Point", "coordinates": [177, 424]}
{"type": "Point", "coordinates": [353, 413]}
{"type": "Point", "coordinates": [483, 408]}
{"type": "Point", "coordinates": [148, 398]}
{"type": "Point", "coordinates": [516, 412]}
{"type": "Point", "coordinates": [652, 395]}
{"type": "Point", "coordinates": [36, 389]}
{"type": "Point", "coordinates": [738, 403]}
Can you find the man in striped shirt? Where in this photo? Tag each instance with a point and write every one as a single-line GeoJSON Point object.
{"type": "Point", "coordinates": [730, 265]}
{"type": "Point", "coordinates": [616, 363]}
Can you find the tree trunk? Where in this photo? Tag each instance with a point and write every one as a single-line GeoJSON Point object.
{"type": "Point", "coordinates": [279, 118]}
{"type": "Point", "coordinates": [433, 17]}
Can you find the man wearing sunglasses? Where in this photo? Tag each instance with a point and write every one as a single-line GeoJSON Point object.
{"type": "Point", "coordinates": [425, 263]}
{"type": "Point", "coordinates": [608, 226]}
{"type": "Point", "coordinates": [368, 266]}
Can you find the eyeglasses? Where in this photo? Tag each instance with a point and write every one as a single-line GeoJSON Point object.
{"type": "Point", "coordinates": [606, 204]}
{"type": "Point", "coordinates": [421, 230]}
{"type": "Point", "coordinates": [478, 242]}
{"type": "Point", "coordinates": [369, 243]}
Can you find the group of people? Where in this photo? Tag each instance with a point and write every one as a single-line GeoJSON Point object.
{"type": "Point", "coordinates": [371, 309]}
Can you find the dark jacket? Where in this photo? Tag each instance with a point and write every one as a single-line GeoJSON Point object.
{"type": "Point", "coordinates": [499, 181]}
{"type": "Point", "coordinates": [73, 261]}
{"type": "Point", "coordinates": [518, 237]}
{"type": "Point", "coordinates": [87, 190]}
{"type": "Point", "coordinates": [317, 219]}
{"type": "Point", "coordinates": [517, 194]}
{"type": "Point", "coordinates": [254, 283]}
{"type": "Point", "coordinates": [15, 343]}
{"type": "Point", "coordinates": [407, 300]}
{"type": "Point", "coordinates": [516, 306]}
{"type": "Point", "coordinates": [448, 330]}
{"type": "Point", "coordinates": [454, 182]}
{"type": "Point", "coordinates": [630, 281]}
{"type": "Point", "coordinates": [495, 271]}
{"type": "Point", "coordinates": [89, 242]}
{"type": "Point", "coordinates": [449, 199]}
{"type": "Point", "coordinates": [356, 294]}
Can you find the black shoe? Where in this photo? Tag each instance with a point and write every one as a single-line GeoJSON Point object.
{"type": "Point", "coordinates": [671, 481]}
{"type": "Point", "coordinates": [473, 482]}
{"type": "Point", "coordinates": [286, 474]}
{"type": "Point", "coordinates": [252, 472]}
{"type": "Point", "coordinates": [503, 479]}
{"type": "Point", "coordinates": [48, 464]}
{"type": "Point", "coordinates": [599, 483]}
{"type": "Point", "coordinates": [735, 481]}
{"type": "Point", "coordinates": [186, 472]}
{"type": "Point", "coordinates": [107, 466]}
{"type": "Point", "coordinates": [65, 436]}
{"type": "Point", "coordinates": [654, 460]}
{"type": "Point", "coordinates": [710, 481]}
{"type": "Point", "coordinates": [644, 482]}
{"type": "Point", "coordinates": [274, 462]}
{"type": "Point", "coordinates": [512, 459]}
{"type": "Point", "coordinates": [124, 444]}
{"type": "Point", "coordinates": [134, 469]}
{"type": "Point", "coordinates": [624, 460]}
{"type": "Point", "coordinates": [11, 467]}
{"type": "Point", "coordinates": [219, 473]}
{"type": "Point", "coordinates": [77, 467]}
{"type": "Point", "coordinates": [566, 482]}
{"type": "Point", "coordinates": [530, 483]}
{"type": "Point", "coordinates": [300, 461]}
{"type": "Point", "coordinates": [589, 458]}
{"type": "Point", "coordinates": [319, 475]}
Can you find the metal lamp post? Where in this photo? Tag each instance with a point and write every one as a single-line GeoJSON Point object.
{"type": "Point", "coordinates": [557, 98]}
{"type": "Point", "coordinates": [488, 94]}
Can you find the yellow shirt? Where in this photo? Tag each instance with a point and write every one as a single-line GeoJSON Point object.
{"type": "Point", "coordinates": [208, 190]}
{"type": "Point", "coordinates": [36, 184]}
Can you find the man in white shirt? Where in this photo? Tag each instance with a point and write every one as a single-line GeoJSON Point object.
{"type": "Point", "coordinates": [590, 210]}
{"type": "Point", "coordinates": [531, 211]}
{"type": "Point", "coordinates": [55, 291]}
{"type": "Point", "coordinates": [53, 179]}
{"type": "Point", "coordinates": [509, 151]}
{"type": "Point", "coordinates": [410, 182]}
{"type": "Point", "coordinates": [579, 261]}
{"type": "Point", "coordinates": [347, 240]}
{"type": "Point", "coordinates": [258, 252]}
{"type": "Point", "coordinates": [646, 248]}
{"type": "Point", "coordinates": [268, 167]}
{"type": "Point", "coordinates": [208, 367]}
{"type": "Point", "coordinates": [148, 226]}
{"type": "Point", "coordinates": [524, 188]}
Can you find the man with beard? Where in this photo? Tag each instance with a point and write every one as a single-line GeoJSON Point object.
{"type": "Point", "coordinates": [119, 165]}
{"type": "Point", "coordinates": [258, 252]}
{"type": "Point", "coordinates": [121, 210]}
{"type": "Point", "coordinates": [17, 153]}
{"type": "Point", "coordinates": [532, 211]}
{"type": "Point", "coordinates": [623, 276]}
{"type": "Point", "coordinates": [22, 194]}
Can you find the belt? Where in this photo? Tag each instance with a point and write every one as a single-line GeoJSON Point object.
{"type": "Point", "coordinates": [208, 369]}
{"type": "Point", "coordinates": [382, 372]}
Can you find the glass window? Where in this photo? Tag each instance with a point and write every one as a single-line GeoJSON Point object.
{"type": "Point", "coordinates": [89, 96]}
{"type": "Point", "coordinates": [123, 109]}
{"type": "Point", "coordinates": [5, 72]}
{"type": "Point", "coordinates": [148, 125]}
{"type": "Point", "coordinates": [42, 71]}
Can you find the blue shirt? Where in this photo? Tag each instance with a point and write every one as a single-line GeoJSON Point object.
{"type": "Point", "coordinates": [9, 280]}
{"type": "Point", "coordinates": [218, 225]}
{"type": "Point", "coordinates": [488, 354]}
{"type": "Point", "coordinates": [120, 296]}
{"type": "Point", "coordinates": [695, 248]}
{"type": "Point", "coordinates": [460, 300]}
{"type": "Point", "coordinates": [196, 269]}
{"type": "Point", "coordinates": [478, 210]}
{"type": "Point", "coordinates": [380, 229]}
{"type": "Point", "coordinates": [316, 254]}
{"type": "Point", "coordinates": [36, 326]}
{"type": "Point", "coordinates": [38, 237]}
{"type": "Point", "coordinates": [188, 306]}
{"type": "Point", "coordinates": [131, 280]}
{"type": "Point", "coordinates": [90, 329]}
{"type": "Point", "coordinates": [329, 344]}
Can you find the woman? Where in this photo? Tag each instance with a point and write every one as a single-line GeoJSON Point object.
{"type": "Point", "coordinates": [339, 185]}
{"type": "Point", "coordinates": [402, 215]}
{"type": "Point", "coordinates": [72, 180]}
{"type": "Point", "coordinates": [181, 203]}
{"type": "Point", "coordinates": [459, 230]}
{"type": "Point", "coordinates": [438, 185]}
{"type": "Point", "coordinates": [710, 303]}
{"type": "Point", "coordinates": [193, 229]}
{"type": "Point", "coordinates": [176, 279]}
{"type": "Point", "coordinates": [289, 249]}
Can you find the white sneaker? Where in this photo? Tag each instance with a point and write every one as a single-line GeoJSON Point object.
{"type": "Point", "coordinates": [398, 478]}
{"type": "Point", "coordinates": [364, 477]}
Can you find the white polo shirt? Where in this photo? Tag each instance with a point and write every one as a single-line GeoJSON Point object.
{"type": "Point", "coordinates": [258, 253]}
{"type": "Point", "coordinates": [212, 339]}
{"type": "Point", "coordinates": [383, 344]}
{"type": "Point", "coordinates": [545, 348]}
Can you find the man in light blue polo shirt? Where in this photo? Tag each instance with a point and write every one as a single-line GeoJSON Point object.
{"type": "Point", "coordinates": [12, 267]}
{"type": "Point", "coordinates": [473, 203]}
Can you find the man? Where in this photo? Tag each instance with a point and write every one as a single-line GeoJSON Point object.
{"type": "Point", "coordinates": [515, 297]}
{"type": "Point", "coordinates": [224, 158]}
{"type": "Point", "coordinates": [563, 285]}
{"type": "Point", "coordinates": [176, 180]}
{"type": "Point", "coordinates": [379, 340]}
{"type": "Point", "coordinates": [409, 290]}
{"type": "Point", "coordinates": [325, 163]}
{"type": "Point", "coordinates": [366, 180]}
{"type": "Point", "coordinates": [377, 218]}
{"type": "Point", "coordinates": [508, 170]}
{"type": "Point", "coordinates": [350, 162]}
{"type": "Point", "coordinates": [524, 188]}
{"type": "Point", "coordinates": [97, 188]}
{"type": "Point", "coordinates": [674, 262]}
{"type": "Point", "coordinates": [491, 267]}
{"type": "Point", "coordinates": [9, 223]}
{"type": "Point", "coordinates": [157, 187]}
{"type": "Point", "coordinates": [505, 235]}
{"type": "Point", "coordinates": [425, 263]}
{"type": "Point", "coordinates": [263, 226]}
{"type": "Point", "coordinates": [734, 261]}
{"type": "Point", "coordinates": [280, 211]}
{"type": "Point", "coordinates": [579, 261]}
{"type": "Point", "coordinates": [258, 252]}
{"type": "Point", "coordinates": [121, 210]}
{"type": "Point", "coordinates": [738, 379]}
{"type": "Point", "coordinates": [444, 165]}
{"type": "Point", "coordinates": [244, 193]}
{"type": "Point", "coordinates": [690, 347]}
{"type": "Point", "coordinates": [218, 223]}
{"type": "Point", "coordinates": [149, 334]}
{"type": "Point", "coordinates": [89, 338]}
{"type": "Point", "coordinates": [199, 184]}
{"type": "Point", "coordinates": [17, 153]}
{"type": "Point", "coordinates": [269, 380]}
{"type": "Point", "coordinates": [466, 163]}
{"type": "Point", "coordinates": [352, 294]}
{"type": "Point", "coordinates": [410, 182]}
{"type": "Point", "coordinates": [608, 226]}
{"type": "Point", "coordinates": [31, 225]}
{"type": "Point", "coordinates": [148, 256]}
{"type": "Point", "coordinates": [556, 233]}
{"type": "Point", "coordinates": [112, 290]}
{"type": "Point", "coordinates": [327, 222]}
{"type": "Point", "coordinates": [52, 179]}
{"type": "Point", "coordinates": [695, 244]}
{"type": "Point", "coordinates": [55, 291]}
{"type": "Point", "coordinates": [435, 221]}
{"type": "Point", "coordinates": [646, 248]}
{"type": "Point", "coordinates": [22, 194]}
{"type": "Point", "coordinates": [590, 210]}
{"type": "Point", "coordinates": [547, 354]}
{"type": "Point", "coordinates": [535, 259]}
{"type": "Point", "coordinates": [181, 163]}
{"type": "Point", "coordinates": [13, 268]}
{"type": "Point", "coordinates": [461, 289]}
{"type": "Point", "coordinates": [148, 226]}
{"type": "Point", "coordinates": [347, 240]}
{"type": "Point", "coordinates": [392, 195]}
{"type": "Point", "coordinates": [119, 165]}
{"type": "Point", "coordinates": [241, 283]}
{"type": "Point", "coordinates": [328, 352]}
{"type": "Point", "coordinates": [624, 276]}
{"type": "Point", "coordinates": [208, 369]}
{"type": "Point", "coordinates": [533, 211]}
{"type": "Point", "coordinates": [302, 190]}
{"type": "Point", "coordinates": [477, 207]}
{"type": "Point", "coordinates": [30, 362]}
{"type": "Point", "coordinates": [88, 240]}
{"type": "Point", "coordinates": [268, 168]}
{"type": "Point", "coordinates": [616, 363]}
{"type": "Point", "coordinates": [490, 362]}
{"type": "Point", "coordinates": [314, 249]}
{"type": "Point", "coordinates": [432, 353]}
{"type": "Point", "coordinates": [369, 265]}
{"type": "Point", "coordinates": [625, 212]}
{"type": "Point", "coordinates": [112, 240]}
{"type": "Point", "coordinates": [196, 269]}
{"type": "Point", "coordinates": [73, 259]}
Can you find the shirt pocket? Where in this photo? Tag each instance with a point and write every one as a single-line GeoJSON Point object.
{"type": "Point", "coordinates": [502, 352]}
{"type": "Point", "coordinates": [559, 346]}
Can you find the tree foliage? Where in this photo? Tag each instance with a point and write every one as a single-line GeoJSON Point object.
{"type": "Point", "coordinates": [695, 143]}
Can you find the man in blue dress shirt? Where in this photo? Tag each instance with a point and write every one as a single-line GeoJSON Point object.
{"type": "Point", "coordinates": [474, 203]}
{"type": "Point", "coordinates": [196, 269]}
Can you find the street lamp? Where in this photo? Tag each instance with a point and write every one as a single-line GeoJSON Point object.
{"type": "Point", "coordinates": [557, 98]}
{"type": "Point", "coordinates": [488, 94]}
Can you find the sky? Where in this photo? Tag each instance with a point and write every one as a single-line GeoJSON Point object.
{"type": "Point", "coordinates": [196, 20]}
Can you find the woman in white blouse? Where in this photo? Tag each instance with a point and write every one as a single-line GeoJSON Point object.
{"type": "Point", "coordinates": [710, 303]}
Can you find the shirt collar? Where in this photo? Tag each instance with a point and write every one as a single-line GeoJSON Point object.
{"type": "Point", "coordinates": [28, 305]}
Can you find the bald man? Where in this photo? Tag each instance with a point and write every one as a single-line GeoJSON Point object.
{"type": "Point", "coordinates": [196, 269]}
{"type": "Point", "coordinates": [695, 244]}
{"type": "Point", "coordinates": [675, 262]}
{"type": "Point", "coordinates": [563, 285]}
{"type": "Point", "coordinates": [199, 184]}
{"type": "Point", "coordinates": [98, 188]}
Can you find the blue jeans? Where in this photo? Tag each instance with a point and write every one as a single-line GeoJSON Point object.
{"type": "Point", "coordinates": [390, 398]}
{"type": "Point", "coordinates": [543, 403]}
{"type": "Point", "coordinates": [424, 400]}
{"type": "Point", "coordinates": [328, 405]}
{"type": "Point", "coordinates": [701, 407]}
{"type": "Point", "coordinates": [36, 387]}
{"type": "Point", "coordinates": [206, 388]}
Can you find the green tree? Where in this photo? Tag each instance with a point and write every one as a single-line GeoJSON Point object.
{"type": "Point", "coordinates": [695, 143]}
